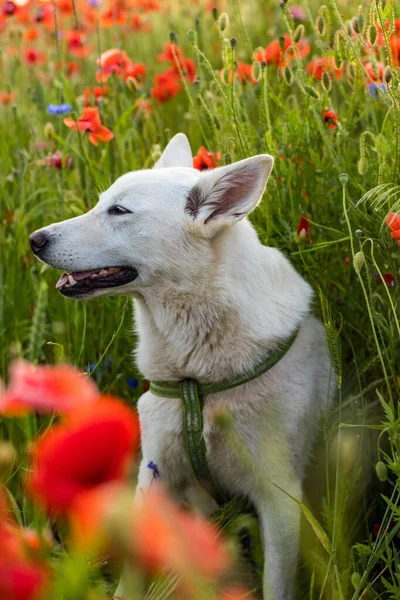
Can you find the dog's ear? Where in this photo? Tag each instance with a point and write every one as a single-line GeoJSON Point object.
{"type": "Point", "coordinates": [225, 195]}
{"type": "Point", "coordinates": [176, 154]}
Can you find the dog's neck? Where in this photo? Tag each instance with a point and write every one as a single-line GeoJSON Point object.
{"type": "Point", "coordinates": [220, 323]}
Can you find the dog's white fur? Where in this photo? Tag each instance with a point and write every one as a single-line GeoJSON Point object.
{"type": "Point", "coordinates": [210, 302]}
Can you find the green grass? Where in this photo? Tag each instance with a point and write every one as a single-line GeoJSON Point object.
{"type": "Point", "coordinates": [349, 250]}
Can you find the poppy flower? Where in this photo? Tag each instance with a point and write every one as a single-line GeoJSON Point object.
{"type": "Point", "coordinates": [304, 228]}
{"type": "Point", "coordinates": [97, 93]}
{"type": "Point", "coordinates": [275, 55]}
{"type": "Point", "coordinates": [9, 8]}
{"type": "Point", "coordinates": [76, 44]}
{"type": "Point", "coordinates": [117, 61]}
{"type": "Point", "coordinates": [165, 536]}
{"type": "Point", "coordinates": [56, 160]}
{"type": "Point", "coordinates": [30, 35]}
{"type": "Point", "coordinates": [166, 86]}
{"type": "Point", "coordinates": [205, 160]}
{"type": "Point", "coordinates": [316, 67]}
{"type": "Point", "coordinates": [179, 63]}
{"type": "Point", "coordinates": [93, 448]}
{"type": "Point", "coordinates": [21, 580]}
{"type": "Point", "coordinates": [138, 23]}
{"type": "Point", "coordinates": [147, 5]}
{"type": "Point", "coordinates": [393, 222]}
{"type": "Point", "coordinates": [34, 57]}
{"type": "Point", "coordinates": [375, 70]}
{"type": "Point", "coordinates": [46, 389]}
{"type": "Point", "coordinates": [90, 121]}
{"type": "Point", "coordinates": [387, 278]}
{"type": "Point", "coordinates": [331, 118]}
{"type": "Point", "coordinates": [7, 97]}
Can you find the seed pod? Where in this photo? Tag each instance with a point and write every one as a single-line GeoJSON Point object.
{"type": "Point", "coordinates": [358, 262]}
{"type": "Point", "coordinates": [131, 84]}
{"type": "Point", "coordinates": [191, 35]}
{"type": "Point", "coordinates": [372, 34]}
{"type": "Point", "coordinates": [354, 24]}
{"type": "Point", "coordinates": [233, 42]}
{"type": "Point", "coordinates": [288, 75]}
{"type": "Point", "coordinates": [356, 580]}
{"type": "Point", "coordinates": [363, 165]}
{"type": "Point", "coordinates": [49, 131]}
{"type": "Point", "coordinates": [343, 178]}
{"type": "Point", "coordinates": [281, 42]}
{"type": "Point", "coordinates": [326, 81]}
{"type": "Point", "coordinates": [360, 22]}
{"type": "Point", "coordinates": [298, 33]}
{"type": "Point", "coordinates": [173, 38]}
{"type": "Point", "coordinates": [337, 62]}
{"type": "Point", "coordinates": [311, 92]}
{"type": "Point", "coordinates": [215, 13]}
{"type": "Point", "coordinates": [320, 25]}
{"type": "Point", "coordinates": [381, 470]}
{"type": "Point", "coordinates": [227, 158]}
{"type": "Point", "coordinates": [387, 75]}
{"type": "Point", "coordinates": [223, 21]}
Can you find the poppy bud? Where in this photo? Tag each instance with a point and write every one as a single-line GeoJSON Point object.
{"type": "Point", "coordinates": [298, 34]}
{"type": "Point", "coordinates": [302, 236]}
{"type": "Point", "coordinates": [356, 580]}
{"type": "Point", "coordinates": [191, 36]}
{"type": "Point", "coordinates": [281, 42]}
{"type": "Point", "coordinates": [387, 75]}
{"type": "Point", "coordinates": [381, 471]}
{"type": "Point", "coordinates": [311, 92]}
{"type": "Point", "coordinates": [320, 25]}
{"type": "Point", "coordinates": [228, 158]}
{"type": "Point", "coordinates": [372, 34]}
{"type": "Point", "coordinates": [173, 38]}
{"type": "Point", "coordinates": [7, 458]}
{"type": "Point", "coordinates": [343, 178]}
{"type": "Point", "coordinates": [282, 6]}
{"type": "Point", "coordinates": [49, 131]}
{"type": "Point", "coordinates": [354, 24]}
{"type": "Point", "coordinates": [358, 262]}
{"type": "Point", "coordinates": [326, 82]}
{"type": "Point", "coordinates": [197, 82]}
{"type": "Point", "coordinates": [337, 62]}
{"type": "Point", "coordinates": [223, 21]}
{"type": "Point", "coordinates": [215, 13]}
{"type": "Point", "coordinates": [359, 233]}
{"type": "Point", "coordinates": [233, 43]}
{"type": "Point", "coordinates": [131, 84]}
{"type": "Point", "coordinates": [362, 165]}
{"type": "Point", "coordinates": [360, 22]}
{"type": "Point", "coordinates": [256, 71]}
{"type": "Point", "coordinates": [216, 122]}
{"type": "Point", "coordinates": [288, 75]}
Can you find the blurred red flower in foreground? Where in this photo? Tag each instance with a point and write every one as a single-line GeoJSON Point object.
{"type": "Point", "coordinates": [94, 447]}
{"type": "Point", "coordinates": [205, 160]}
{"type": "Point", "coordinates": [117, 61]}
{"type": "Point", "coordinates": [90, 121]}
{"type": "Point", "coordinates": [393, 222]}
{"type": "Point", "coordinates": [331, 118]}
{"type": "Point", "coordinates": [46, 389]}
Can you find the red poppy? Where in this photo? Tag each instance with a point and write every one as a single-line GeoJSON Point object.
{"type": "Point", "coordinates": [375, 70]}
{"type": "Point", "coordinates": [21, 580]}
{"type": "Point", "coordinates": [30, 35]}
{"type": "Point", "coordinates": [168, 537]}
{"type": "Point", "coordinates": [387, 278]}
{"type": "Point", "coordinates": [46, 389]}
{"type": "Point", "coordinates": [304, 228]}
{"type": "Point", "coordinates": [34, 57]}
{"type": "Point", "coordinates": [393, 222]}
{"type": "Point", "coordinates": [76, 44]}
{"type": "Point", "coordinates": [90, 121]}
{"type": "Point", "coordinates": [117, 61]}
{"type": "Point", "coordinates": [147, 5]}
{"type": "Point", "coordinates": [179, 63]}
{"type": "Point", "coordinates": [274, 54]}
{"type": "Point", "coordinates": [205, 160]}
{"type": "Point", "coordinates": [97, 93]}
{"type": "Point", "coordinates": [317, 67]}
{"type": "Point", "coordinates": [166, 86]}
{"type": "Point", "coordinates": [56, 160]}
{"type": "Point", "coordinates": [138, 23]}
{"type": "Point", "coordinates": [7, 97]}
{"type": "Point", "coordinates": [93, 448]}
{"type": "Point", "coordinates": [331, 118]}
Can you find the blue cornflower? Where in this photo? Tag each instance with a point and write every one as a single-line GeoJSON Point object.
{"type": "Point", "coordinates": [59, 109]}
{"type": "Point", "coordinates": [132, 382]}
{"type": "Point", "coordinates": [373, 89]}
{"type": "Point", "coordinates": [156, 473]}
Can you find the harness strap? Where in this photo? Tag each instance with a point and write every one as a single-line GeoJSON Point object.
{"type": "Point", "coordinates": [192, 392]}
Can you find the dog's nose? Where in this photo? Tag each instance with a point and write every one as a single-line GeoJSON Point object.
{"type": "Point", "coordinates": [37, 240]}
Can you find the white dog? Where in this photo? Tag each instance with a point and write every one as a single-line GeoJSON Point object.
{"type": "Point", "coordinates": [211, 303]}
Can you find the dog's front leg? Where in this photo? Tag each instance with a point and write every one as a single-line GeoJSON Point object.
{"type": "Point", "coordinates": [280, 529]}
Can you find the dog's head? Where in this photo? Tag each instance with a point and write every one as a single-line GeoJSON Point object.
{"type": "Point", "coordinates": [151, 225]}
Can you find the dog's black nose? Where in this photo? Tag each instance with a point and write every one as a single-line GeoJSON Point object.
{"type": "Point", "coordinates": [37, 240]}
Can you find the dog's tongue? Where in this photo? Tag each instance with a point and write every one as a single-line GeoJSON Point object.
{"type": "Point", "coordinates": [77, 276]}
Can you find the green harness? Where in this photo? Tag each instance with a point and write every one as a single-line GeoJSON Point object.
{"type": "Point", "coordinates": [192, 393]}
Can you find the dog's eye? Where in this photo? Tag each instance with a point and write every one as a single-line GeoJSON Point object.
{"type": "Point", "coordinates": [118, 210]}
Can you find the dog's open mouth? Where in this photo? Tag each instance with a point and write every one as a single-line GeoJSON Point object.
{"type": "Point", "coordinates": [83, 282]}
